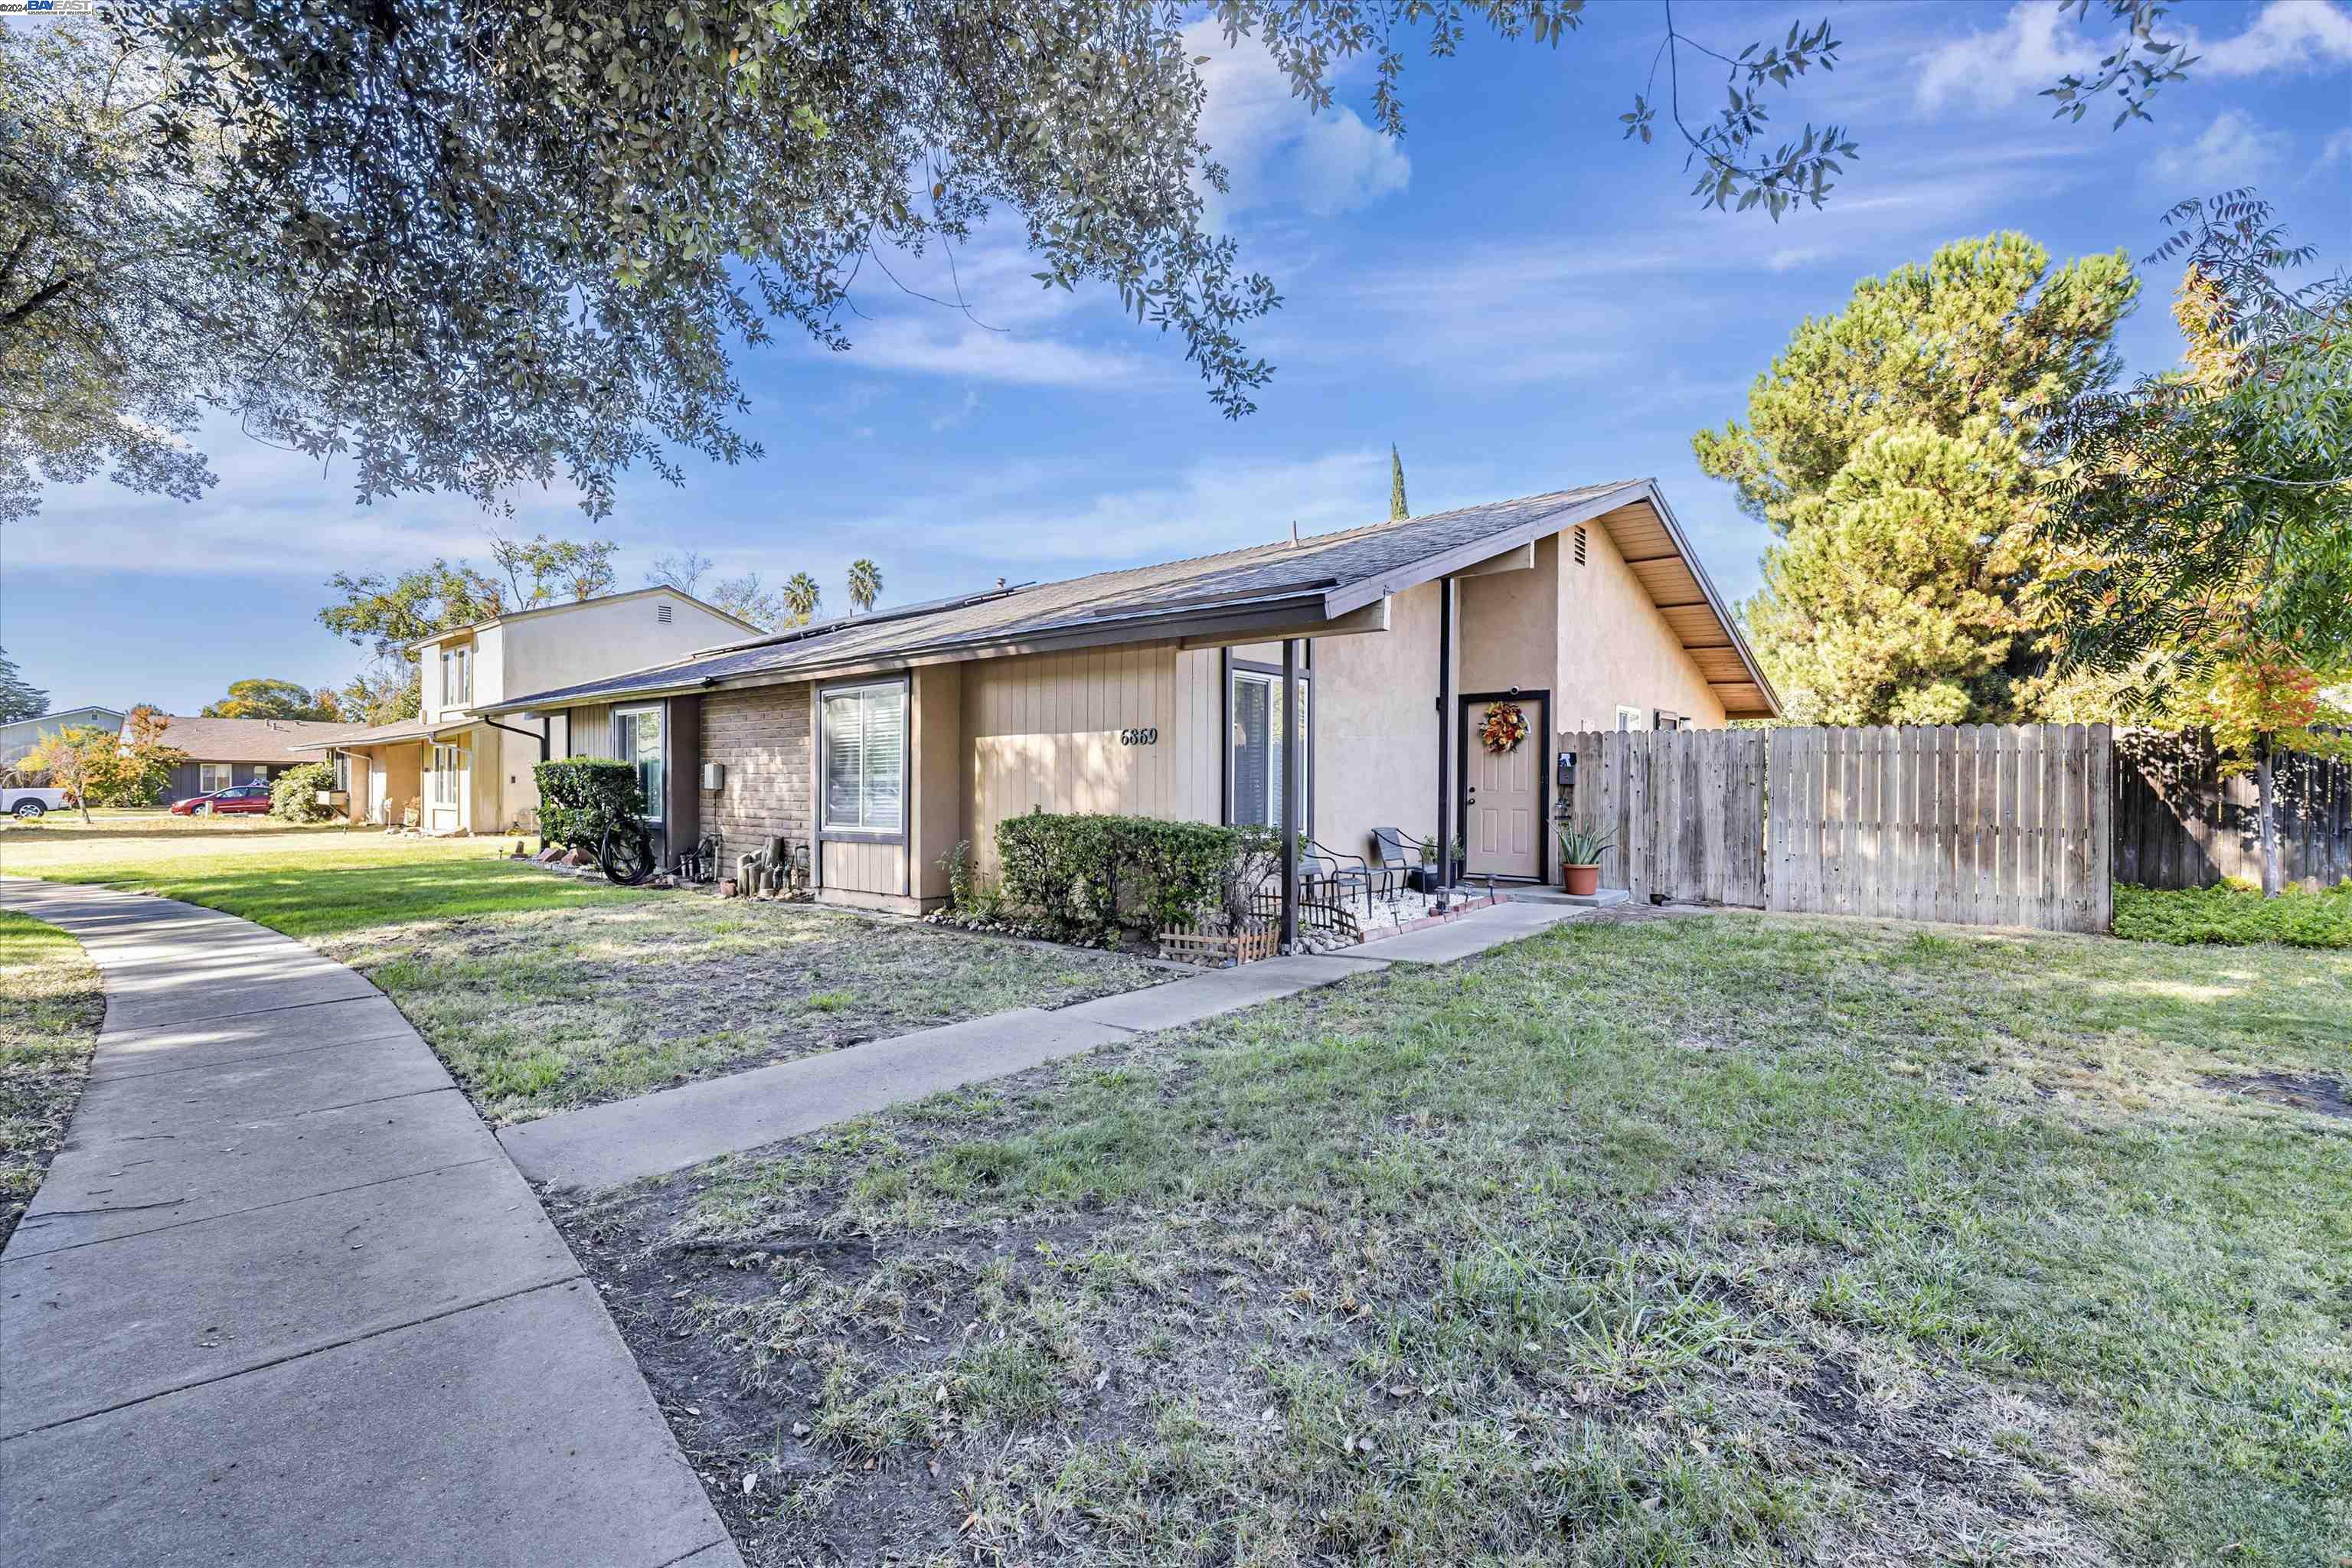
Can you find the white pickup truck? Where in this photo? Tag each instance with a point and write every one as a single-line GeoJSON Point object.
{"type": "Point", "coordinates": [29, 803]}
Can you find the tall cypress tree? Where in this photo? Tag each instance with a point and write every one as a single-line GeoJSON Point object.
{"type": "Point", "coordinates": [1398, 512]}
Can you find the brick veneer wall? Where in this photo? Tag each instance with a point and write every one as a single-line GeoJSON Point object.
{"type": "Point", "coordinates": [763, 736]}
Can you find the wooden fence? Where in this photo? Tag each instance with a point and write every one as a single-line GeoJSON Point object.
{"type": "Point", "coordinates": [2181, 823]}
{"type": "Point", "coordinates": [1973, 823]}
{"type": "Point", "coordinates": [1685, 808]}
{"type": "Point", "coordinates": [1994, 825]}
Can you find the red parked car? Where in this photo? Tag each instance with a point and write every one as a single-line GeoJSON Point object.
{"type": "Point", "coordinates": [251, 799]}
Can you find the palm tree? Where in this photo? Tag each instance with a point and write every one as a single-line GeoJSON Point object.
{"type": "Point", "coordinates": [802, 596]}
{"type": "Point", "coordinates": [865, 586]}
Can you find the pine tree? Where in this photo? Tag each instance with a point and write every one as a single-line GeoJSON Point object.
{"type": "Point", "coordinates": [1398, 510]}
{"type": "Point", "coordinates": [19, 697]}
{"type": "Point", "coordinates": [1888, 451]}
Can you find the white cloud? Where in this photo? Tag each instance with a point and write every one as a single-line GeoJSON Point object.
{"type": "Point", "coordinates": [2287, 36]}
{"type": "Point", "coordinates": [2233, 151]}
{"type": "Point", "coordinates": [1277, 154]}
{"type": "Point", "coordinates": [1789, 258]}
{"type": "Point", "coordinates": [944, 342]}
{"type": "Point", "coordinates": [2337, 150]}
{"type": "Point", "coordinates": [2033, 46]}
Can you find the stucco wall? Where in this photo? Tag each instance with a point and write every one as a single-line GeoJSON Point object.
{"type": "Point", "coordinates": [1510, 625]}
{"type": "Point", "coordinates": [1614, 646]}
{"type": "Point", "coordinates": [591, 642]}
{"type": "Point", "coordinates": [1376, 726]}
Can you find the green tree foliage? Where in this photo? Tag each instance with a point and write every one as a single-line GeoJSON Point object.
{"type": "Point", "coordinates": [19, 697]}
{"type": "Point", "coordinates": [470, 248]}
{"type": "Point", "coordinates": [263, 698]}
{"type": "Point", "coordinates": [538, 569]}
{"type": "Point", "coordinates": [1398, 510]}
{"type": "Point", "coordinates": [865, 586]}
{"type": "Point", "coordinates": [2201, 524]}
{"type": "Point", "coordinates": [385, 693]}
{"type": "Point", "coordinates": [107, 767]}
{"type": "Point", "coordinates": [1886, 449]}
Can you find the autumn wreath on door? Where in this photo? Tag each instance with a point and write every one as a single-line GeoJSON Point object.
{"type": "Point", "coordinates": [1505, 726]}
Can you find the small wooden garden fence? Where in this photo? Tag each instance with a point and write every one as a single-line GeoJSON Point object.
{"type": "Point", "coordinates": [1975, 823]}
{"type": "Point", "coordinates": [2183, 822]}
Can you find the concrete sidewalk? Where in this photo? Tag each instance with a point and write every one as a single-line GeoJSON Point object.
{"type": "Point", "coordinates": [282, 1299]}
{"type": "Point", "coordinates": [610, 1145]}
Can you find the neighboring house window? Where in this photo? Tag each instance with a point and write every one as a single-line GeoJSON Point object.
{"type": "Point", "coordinates": [637, 738]}
{"type": "Point", "coordinates": [212, 777]}
{"type": "Point", "coordinates": [1257, 739]}
{"type": "Point", "coordinates": [456, 677]}
{"type": "Point", "coordinates": [1662, 720]}
{"type": "Point", "coordinates": [447, 762]}
{"type": "Point", "coordinates": [864, 735]}
{"type": "Point", "coordinates": [1628, 718]}
{"type": "Point", "coordinates": [343, 771]}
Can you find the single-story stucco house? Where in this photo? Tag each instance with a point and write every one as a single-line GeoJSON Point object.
{"type": "Point", "coordinates": [887, 739]}
{"type": "Point", "coordinates": [462, 771]}
{"type": "Point", "coordinates": [224, 751]}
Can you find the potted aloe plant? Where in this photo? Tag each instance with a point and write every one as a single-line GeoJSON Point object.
{"type": "Point", "coordinates": [1580, 860]}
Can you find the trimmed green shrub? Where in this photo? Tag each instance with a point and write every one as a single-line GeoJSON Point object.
{"type": "Point", "coordinates": [2231, 917]}
{"type": "Point", "coordinates": [294, 793]}
{"type": "Point", "coordinates": [1090, 875]}
{"type": "Point", "coordinates": [579, 797]}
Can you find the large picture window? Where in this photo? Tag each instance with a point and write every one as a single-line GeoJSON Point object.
{"type": "Point", "coordinates": [864, 735]}
{"type": "Point", "coordinates": [213, 777]}
{"type": "Point", "coordinates": [1259, 734]}
{"type": "Point", "coordinates": [637, 738]}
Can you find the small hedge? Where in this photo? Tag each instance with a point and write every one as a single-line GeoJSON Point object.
{"type": "Point", "coordinates": [1089, 876]}
{"type": "Point", "coordinates": [294, 793]}
{"type": "Point", "coordinates": [579, 797]}
{"type": "Point", "coordinates": [2232, 917]}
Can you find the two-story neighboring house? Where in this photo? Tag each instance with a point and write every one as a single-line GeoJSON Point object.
{"type": "Point", "coordinates": [458, 771]}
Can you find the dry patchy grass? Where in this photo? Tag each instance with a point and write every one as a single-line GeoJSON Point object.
{"type": "Point", "coordinates": [1734, 1240]}
{"type": "Point", "coordinates": [50, 1009]}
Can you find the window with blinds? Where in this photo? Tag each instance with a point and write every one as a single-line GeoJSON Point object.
{"type": "Point", "coordinates": [864, 735]}
{"type": "Point", "coordinates": [1257, 740]}
{"type": "Point", "coordinates": [637, 739]}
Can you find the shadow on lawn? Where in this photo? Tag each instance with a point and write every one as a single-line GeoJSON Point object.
{"type": "Point", "coordinates": [302, 900]}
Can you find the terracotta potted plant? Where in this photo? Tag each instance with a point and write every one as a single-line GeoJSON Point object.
{"type": "Point", "coordinates": [1579, 861]}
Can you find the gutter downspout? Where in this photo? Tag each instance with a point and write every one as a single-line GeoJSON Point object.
{"type": "Point", "coordinates": [540, 737]}
{"type": "Point", "coordinates": [1445, 729]}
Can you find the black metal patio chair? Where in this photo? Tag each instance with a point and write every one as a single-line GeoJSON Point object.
{"type": "Point", "coordinates": [1389, 861]}
{"type": "Point", "coordinates": [1339, 878]}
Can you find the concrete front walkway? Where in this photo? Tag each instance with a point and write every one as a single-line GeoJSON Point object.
{"type": "Point", "coordinates": [609, 1146]}
{"type": "Point", "coordinates": [283, 1300]}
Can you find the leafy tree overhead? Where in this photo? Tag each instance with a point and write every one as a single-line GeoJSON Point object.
{"type": "Point", "coordinates": [264, 699]}
{"type": "Point", "coordinates": [19, 697]}
{"type": "Point", "coordinates": [1887, 450]}
{"type": "Point", "coordinates": [2201, 526]}
{"type": "Point", "coordinates": [865, 586]}
{"type": "Point", "coordinates": [472, 248]}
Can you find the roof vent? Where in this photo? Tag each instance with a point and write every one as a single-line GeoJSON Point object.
{"type": "Point", "coordinates": [1579, 544]}
{"type": "Point", "coordinates": [661, 614]}
{"type": "Point", "coordinates": [1294, 534]}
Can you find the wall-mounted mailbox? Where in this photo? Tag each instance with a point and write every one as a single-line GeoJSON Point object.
{"type": "Point", "coordinates": [714, 775]}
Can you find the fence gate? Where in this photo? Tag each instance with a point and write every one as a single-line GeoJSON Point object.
{"type": "Point", "coordinates": [1974, 824]}
{"type": "Point", "coordinates": [1684, 806]}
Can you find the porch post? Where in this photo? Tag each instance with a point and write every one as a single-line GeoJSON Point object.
{"type": "Point", "coordinates": [1289, 816]}
{"type": "Point", "coordinates": [1446, 727]}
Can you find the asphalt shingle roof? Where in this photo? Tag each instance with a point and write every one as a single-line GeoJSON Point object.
{"type": "Point", "coordinates": [251, 739]}
{"type": "Point", "coordinates": [1260, 571]}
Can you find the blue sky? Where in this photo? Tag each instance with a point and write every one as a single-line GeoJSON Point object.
{"type": "Point", "coordinates": [1517, 298]}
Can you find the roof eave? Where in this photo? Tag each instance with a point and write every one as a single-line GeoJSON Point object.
{"type": "Point", "coordinates": [1715, 600]}
{"type": "Point", "coordinates": [1354, 595]}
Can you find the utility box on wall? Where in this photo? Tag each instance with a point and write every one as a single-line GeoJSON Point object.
{"type": "Point", "coordinates": [714, 775]}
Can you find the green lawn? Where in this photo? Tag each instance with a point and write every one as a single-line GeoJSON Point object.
{"type": "Point", "coordinates": [1730, 1239]}
{"type": "Point", "coordinates": [304, 881]}
{"type": "Point", "coordinates": [50, 1009]}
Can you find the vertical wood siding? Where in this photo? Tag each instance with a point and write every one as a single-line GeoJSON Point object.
{"type": "Point", "coordinates": [1044, 732]}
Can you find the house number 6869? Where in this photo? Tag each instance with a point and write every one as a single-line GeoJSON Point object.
{"type": "Point", "coordinates": [1139, 737]}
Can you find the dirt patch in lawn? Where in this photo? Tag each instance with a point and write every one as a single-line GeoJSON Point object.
{"type": "Point", "coordinates": [2322, 1096]}
{"type": "Point", "coordinates": [545, 1010]}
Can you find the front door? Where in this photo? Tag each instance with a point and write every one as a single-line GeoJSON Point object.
{"type": "Point", "coordinates": [1502, 802]}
